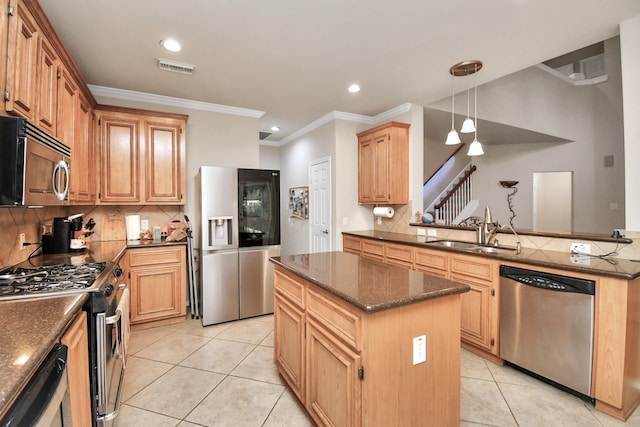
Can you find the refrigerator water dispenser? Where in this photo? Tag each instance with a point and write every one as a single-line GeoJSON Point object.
{"type": "Point", "coordinates": [220, 233]}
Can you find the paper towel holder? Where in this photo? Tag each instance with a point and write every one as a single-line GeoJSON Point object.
{"type": "Point", "coordinates": [383, 211]}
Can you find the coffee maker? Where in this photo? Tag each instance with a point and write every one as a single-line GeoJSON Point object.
{"type": "Point", "coordinates": [63, 230]}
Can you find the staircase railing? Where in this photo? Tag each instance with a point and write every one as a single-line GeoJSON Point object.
{"type": "Point", "coordinates": [450, 206]}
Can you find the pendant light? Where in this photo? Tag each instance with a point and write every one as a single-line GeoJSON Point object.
{"type": "Point", "coordinates": [468, 126]}
{"type": "Point", "coordinates": [475, 149]}
{"type": "Point", "coordinates": [466, 68]}
{"type": "Point", "coordinates": [452, 138]}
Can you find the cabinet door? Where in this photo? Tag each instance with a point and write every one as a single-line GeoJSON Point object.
{"type": "Point", "coordinates": [119, 159]}
{"type": "Point", "coordinates": [366, 169]}
{"type": "Point", "coordinates": [77, 340]}
{"type": "Point", "coordinates": [381, 168]}
{"type": "Point", "coordinates": [334, 390]}
{"type": "Point", "coordinates": [47, 99]}
{"type": "Point", "coordinates": [82, 166]}
{"type": "Point", "coordinates": [22, 50]}
{"type": "Point", "coordinates": [476, 313]}
{"type": "Point", "coordinates": [164, 174]}
{"type": "Point", "coordinates": [157, 290]}
{"type": "Point", "coordinates": [67, 100]}
{"type": "Point", "coordinates": [351, 245]}
{"type": "Point", "coordinates": [289, 344]}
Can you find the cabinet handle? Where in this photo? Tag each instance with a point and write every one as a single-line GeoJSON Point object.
{"type": "Point", "coordinates": [361, 372]}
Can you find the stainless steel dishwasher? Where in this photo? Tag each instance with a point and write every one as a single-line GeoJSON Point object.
{"type": "Point", "coordinates": [546, 326]}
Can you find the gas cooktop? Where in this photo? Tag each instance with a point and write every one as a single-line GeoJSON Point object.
{"type": "Point", "coordinates": [50, 280]}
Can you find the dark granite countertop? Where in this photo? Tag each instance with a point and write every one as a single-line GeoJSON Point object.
{"type": "Point", "coordinates": [368, 285]}
{"type": "Point", "coordinates": [30, 328]}
{"type": "Point", "coordinates": [611, 267]}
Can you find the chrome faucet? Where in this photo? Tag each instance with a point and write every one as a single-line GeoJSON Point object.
{"type": "Point", "coordinates": [488, 229]}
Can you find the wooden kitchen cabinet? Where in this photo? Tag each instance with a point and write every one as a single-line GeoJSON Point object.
{"type": "Point", "coordinates": [432, 262]}
{"type": "Point", "coordinates": [22, 61]}
{"type": "Point", "coordinates": [289, 321]}
{"type": "Point", "coordinates": [383, 164]}
{"type": "Point", "coordinates": [357, 367]}
{"type": "Point", "coordinates": [142, 157]}
{"type": "Point", "coordinates": [76, 338]}
{"type": "Point", "coordinates": [48, 65]}
{"type": "Point", "coordinates": [157, 285]}
{"type": "Point", "coordinates": [480, 306]}
{"type": "Point", "coordinates": [333, 386]}
{"type": "Point", "coordinates": [351, 245]}
{"type": "Point", "coordinates": [83, 171]}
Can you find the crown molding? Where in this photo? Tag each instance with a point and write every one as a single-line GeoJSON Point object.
{"type": "Point", "coordinates": [341, 115]}
{"type": "Point", "coordinates": [131, 95]}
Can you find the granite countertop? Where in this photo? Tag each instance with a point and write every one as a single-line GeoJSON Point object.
{"type": "Point", "coordinates": [31, 327]}
{"type": "Point", "coordinates": [26, 339]}
{"type": "Point", "coordinates": [368, 285]}
{"type": "Point", "coordinates": [612, 267]}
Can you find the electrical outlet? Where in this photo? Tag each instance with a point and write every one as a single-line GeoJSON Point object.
{"type": "Point", "coordinates": [21, 241]}
{"type": "Point", "coordinates": [431, 232]}
{"type": "Point", "coordinates": [581, 248]}
{"type": "Point", "coordinates": [419, 349]}
{"type": "Point", "coordinates": [580, 259]}
{"type": "Point", "coordinates": [421, 231]}
{"type": "Point", "coordinates": [144, 224]}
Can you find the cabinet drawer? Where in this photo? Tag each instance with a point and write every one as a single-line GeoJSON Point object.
{"type": "Point", "coordinates": [351, 245]}
{"type": "Point", "coordinates": [336, 317]}
{"type": "Point", "coordinates": [401, 255]}
{"type": "Point", "coordinates": [472, 267]}
{"type": "Point", "coordinates": [431, 259]}
{"type": "Point", "coordinates": [373, 250]}
{"type": "Point", "coordinates": [289, 287]}
{"type": "Point", "coordinates": [156, 255]}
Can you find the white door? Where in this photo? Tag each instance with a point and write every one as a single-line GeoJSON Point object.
{"type": "Point", "coordinates": [320, 205]}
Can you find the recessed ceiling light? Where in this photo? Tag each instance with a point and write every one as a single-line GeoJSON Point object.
{"type": "Point", "coordinates": [354, 88]}
{"type": "Point", "coordinates": [275, 128]}
{"type": "Point", "coordinates": [171, 45]}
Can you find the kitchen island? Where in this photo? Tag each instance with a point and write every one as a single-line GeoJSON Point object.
{"type": "Point", "coordinates": [360, 342]}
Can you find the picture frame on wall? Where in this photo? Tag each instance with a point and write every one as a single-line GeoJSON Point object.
{"type": "Point", "coordinates": [299, 202]}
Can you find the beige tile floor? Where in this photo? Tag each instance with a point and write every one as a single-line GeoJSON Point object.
{"type": "Point", "coordinates": [223, 375]}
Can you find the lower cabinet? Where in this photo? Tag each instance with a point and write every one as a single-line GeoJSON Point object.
{"type": "Point", "coordinates": [158, 285]}
{"type": "Point", "coordinates": [289, 354]}
{"type": "Point", "coordinates": [479, 323]}
{"type": "Point", "coordinates": [352, 368]}
{"type": "Point", "coordinates": [76, 338]}
{"type": "Point", "coordinates": [333, 387]}
{"type": "Point", "coordinates": [480, 306]}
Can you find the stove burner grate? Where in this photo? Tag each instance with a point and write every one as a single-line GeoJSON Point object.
{"type": "Point", "coordinates": [48, 279]}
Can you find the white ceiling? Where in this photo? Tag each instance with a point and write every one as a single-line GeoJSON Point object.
{"type": "Point", "coordinates": [295, 59]}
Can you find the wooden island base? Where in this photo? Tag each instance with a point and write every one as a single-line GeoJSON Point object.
{"type": "Point", "coordinates": [350, 367]}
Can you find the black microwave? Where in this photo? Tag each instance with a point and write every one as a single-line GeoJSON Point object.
{"type": "Point", "coordinates": [35, 165]}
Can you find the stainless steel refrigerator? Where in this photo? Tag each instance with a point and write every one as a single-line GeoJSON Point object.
{"type": "Point", "coordinates": [239, 217]}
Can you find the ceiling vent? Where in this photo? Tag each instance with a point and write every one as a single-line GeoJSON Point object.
{"type": "Point", "coordinates": [264, 135]}
{"type": "Point", "coordinates": [176, 67]}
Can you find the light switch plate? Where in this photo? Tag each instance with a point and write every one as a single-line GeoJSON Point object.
{"type": "Point", "coordinates": [419, 349]}
{"type": "Point", "coordinates": [431, 232]}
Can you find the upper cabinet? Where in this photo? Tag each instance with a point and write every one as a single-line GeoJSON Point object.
{"type": "Point", "coordinates": [43, 84]}
{"type": "Point", "coordinates": [142, 156]}
{"type": "Point", "coordinates": [383, 164]}
{"type": "Point", "coordinates": [22, 61]}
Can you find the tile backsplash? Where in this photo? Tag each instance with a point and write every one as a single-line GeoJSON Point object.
{"type": "Point", "coordinates": [110, 224]}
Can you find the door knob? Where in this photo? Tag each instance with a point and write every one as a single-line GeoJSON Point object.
{"type": "Point", "coordinates": [325, 231]}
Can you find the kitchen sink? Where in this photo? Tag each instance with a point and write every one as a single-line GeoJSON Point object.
{"type": "Point", "coordinates": [453, 244]}
{"type": "Point", "coordinates": [475, 247]}
{"type": "Point", "coordinates": [492, 249]}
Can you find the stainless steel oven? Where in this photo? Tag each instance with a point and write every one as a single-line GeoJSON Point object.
{"type": "Point", "coordinates": [107, 310]}
{"type": "Point", "coordinates": [112, 329]}
{"type": "Point", "coordinates": [44, 402]}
